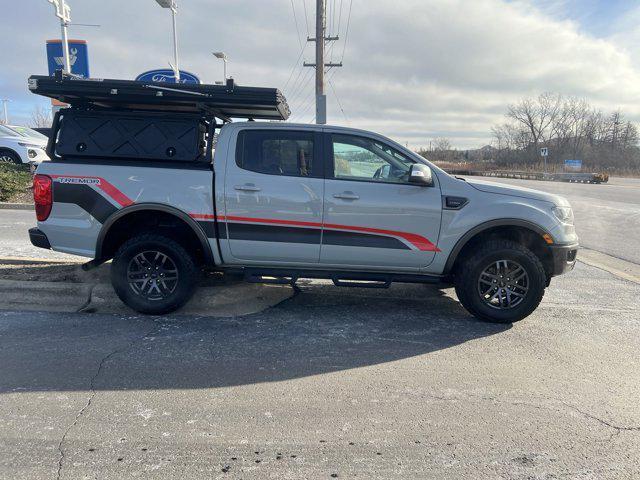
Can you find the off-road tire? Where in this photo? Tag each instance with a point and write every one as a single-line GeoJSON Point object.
{"type": "Point", "coordinates": [468, 273]}
{"type": "Point", "coordinates": [187, 270]}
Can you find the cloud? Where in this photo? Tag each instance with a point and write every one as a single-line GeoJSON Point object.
{"type": "Point", "coordinates": [413, 70]}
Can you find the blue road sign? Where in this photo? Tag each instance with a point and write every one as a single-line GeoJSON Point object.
{"type": "Point", "coordinates": [78, 57]}
{"type": "Point", "coordinates": [167, 75]}
{"type": "Point", "coordinates": [573, 164]}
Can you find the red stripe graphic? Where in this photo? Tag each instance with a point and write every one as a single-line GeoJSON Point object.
{"type": "Point", "coordinates": [418, 241]}
{"type": "Point", "coordinates": [106, 187]}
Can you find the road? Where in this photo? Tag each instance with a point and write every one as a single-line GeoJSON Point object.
{"type": "Point", "coordinates": [14, 236]}
{"type": "Point", "coordinates": [334, 383]}
{"type": "Point", "coordinates": [607, 216]}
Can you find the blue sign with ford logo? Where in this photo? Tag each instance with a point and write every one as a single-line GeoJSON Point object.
{"type": "Point", "coordinates": [167, 75]}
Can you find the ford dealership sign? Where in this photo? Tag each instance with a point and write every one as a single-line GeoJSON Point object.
{"type": "Point", "coordinates": [167, 75]}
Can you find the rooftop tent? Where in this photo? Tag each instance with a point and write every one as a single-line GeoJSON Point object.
{"type": "Point", "coordinates": [223, 101]}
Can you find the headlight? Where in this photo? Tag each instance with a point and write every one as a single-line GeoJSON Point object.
{"type": "Point", "coordinates": [563, 214]}
{"type": "Point", "coordinates": [29, 145]}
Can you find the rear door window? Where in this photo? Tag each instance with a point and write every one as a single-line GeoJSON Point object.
{"type": "Point", "coordinates": [278, 152]}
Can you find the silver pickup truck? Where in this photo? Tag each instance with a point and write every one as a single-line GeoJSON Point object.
{"type": "Point", "coordinates": [277, 202]}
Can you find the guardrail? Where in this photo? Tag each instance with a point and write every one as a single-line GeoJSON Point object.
{"type": "Point", "coordinates": [573, 177]}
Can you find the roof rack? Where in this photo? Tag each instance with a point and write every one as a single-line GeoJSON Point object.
{"type": "Point", "coordinates": [223, 101]}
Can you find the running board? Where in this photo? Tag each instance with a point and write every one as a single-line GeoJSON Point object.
{"type": "Point", "coordinates": [282, 276]}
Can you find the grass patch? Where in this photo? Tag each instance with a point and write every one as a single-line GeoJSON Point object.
{"type": "Point", "coordinates": [14, 181]}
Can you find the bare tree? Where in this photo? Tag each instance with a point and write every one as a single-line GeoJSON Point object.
{"type": "Point", "coordinates": [442, 144]}
{"type": "Point", "coordinates": [536, 116]}
{"type": "Point", "coordinates": [571, 129]}
{"type": "Point", "coordinates": [40, 117]}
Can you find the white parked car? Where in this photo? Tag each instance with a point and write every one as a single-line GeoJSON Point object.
{"type": "Point", "coordinates": [21, 148]}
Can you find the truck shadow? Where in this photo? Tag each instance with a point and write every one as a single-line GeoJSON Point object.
{"type": "Point", "coordinates": [322, 329]}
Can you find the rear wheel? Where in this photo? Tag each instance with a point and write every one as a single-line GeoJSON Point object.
{"type": "Point", "coordinates": [501, 282]}
{"type": "Point", "coordinates": [153, 274]}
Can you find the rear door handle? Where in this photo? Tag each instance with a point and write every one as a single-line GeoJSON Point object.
{"type": "Point", "coordinates": [347, 196]}
{"type": "Point", "coordinates": [247, 187]}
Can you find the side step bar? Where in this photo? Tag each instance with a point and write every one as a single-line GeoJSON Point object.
{"type": "Point", "coordinates": [281, 276]}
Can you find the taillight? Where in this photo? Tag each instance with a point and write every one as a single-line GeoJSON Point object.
{"type": "Point", "coordinates": [42, 196]}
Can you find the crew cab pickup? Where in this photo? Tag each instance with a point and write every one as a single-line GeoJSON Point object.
{"type": "Point", "coordinates": [278, 201]}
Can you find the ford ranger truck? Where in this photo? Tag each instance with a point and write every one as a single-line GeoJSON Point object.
{"type": "Point", "coordinates": [279, 201]}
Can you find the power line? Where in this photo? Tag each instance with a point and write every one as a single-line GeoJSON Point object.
{"type": "Point", "coordinates": [339, 18]}
{"type": "Point", "coordinates": [338, 100]}
{"type": "Point", "coordinates": [306, 16]}
{"type": "Point", "coordinates": [346, 35]}
{"type": "Point", "coordinates": [302, 86]}
{"type": "Point", "coordinates": [295, 65]}
{"type": "Point", "coordinates": [295, 18]}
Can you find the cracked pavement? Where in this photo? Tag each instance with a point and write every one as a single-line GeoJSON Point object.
{"type": "Point", "coordinates": [333, 383]}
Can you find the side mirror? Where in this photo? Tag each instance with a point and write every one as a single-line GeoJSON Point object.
{"type": "Point", "coordinates": [420, 175]}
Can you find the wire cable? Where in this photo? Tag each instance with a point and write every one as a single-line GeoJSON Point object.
{"type": "Point", "coordinates": [346, 35]}
{"type": "Point", "coordinates": [295, 65]}
{"type": "Point", "coordinates": [306, 16]}
{"type": "Point", "coordinates": [295, 18]}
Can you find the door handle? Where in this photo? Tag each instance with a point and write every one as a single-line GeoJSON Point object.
{"type": "Point", "coordinates": [347, 196]}
{"type": "Point", "coordinates": [247, 187]}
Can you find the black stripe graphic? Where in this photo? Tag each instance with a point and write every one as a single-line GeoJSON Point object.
{"type": "Point", "coordinates": [85, 197]}
{"type": "Point", "coordinates": [210, 229]}
{"type": "Point", "coordinates": [355, 239]}
{"type": "Point", "coordinates": [272, 233]}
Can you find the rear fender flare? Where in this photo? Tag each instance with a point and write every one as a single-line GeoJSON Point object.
{"type": "Point", "coordinates": [158, 207]}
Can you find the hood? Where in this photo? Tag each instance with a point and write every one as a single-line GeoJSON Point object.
{"type": "Point", "coordinates": [26, 140]}
{"type": "Point", "coordinates": [512, 190]}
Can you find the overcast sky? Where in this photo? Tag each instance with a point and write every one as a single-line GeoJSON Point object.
{"type": "Point", "coordinates": [413, 69]}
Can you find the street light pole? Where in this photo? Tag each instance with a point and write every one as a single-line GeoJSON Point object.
{"type": "Point", "coordinates": [6, 113]}
{"type": "Point", "coordinates": [63, 12]}
{"type": "Point", "coordinates": [171, 4]}
{"type": "Point", "coordinates": [175, 43]}
{"type": "Point", "coordinates": [222, 56]}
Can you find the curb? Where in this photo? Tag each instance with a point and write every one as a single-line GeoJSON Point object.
{"type": "Point", "coordinates": [616, 266]}
{"type": "Point", "coordinates": [16, 206]}
{"type": "Point", "coordinates": [232, 300]}
{"type": "Point", "coordinates": [37, 261]}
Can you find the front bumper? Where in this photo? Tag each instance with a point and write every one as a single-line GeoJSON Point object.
{"type": "Point", "coordinates": [38, 238]}
{"type": "Point", "coordinates": [564, 258]}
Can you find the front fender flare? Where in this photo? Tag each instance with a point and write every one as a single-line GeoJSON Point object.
{"type": "Point", "coordinates": [502, 222]}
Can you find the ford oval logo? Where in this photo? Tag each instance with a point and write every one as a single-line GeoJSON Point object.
{"type": "Point", "coordinates": [166, 75]}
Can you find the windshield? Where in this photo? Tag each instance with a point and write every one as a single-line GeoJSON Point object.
{"type": "Point", "coordinates": [28, 132]}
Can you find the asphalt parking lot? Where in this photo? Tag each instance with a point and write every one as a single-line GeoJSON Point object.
{"type": "Point", "coordinates": [336, 383]}
{"type": "Point", "coordinates": [333, 383]}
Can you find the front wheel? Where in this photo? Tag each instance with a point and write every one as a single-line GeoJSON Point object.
{"type": "Point", "coordinates": [7, 156]}
{"type": "Point", "coordinates": [501, 282]}
{"type": "Point", "coordinates": [153, 274]}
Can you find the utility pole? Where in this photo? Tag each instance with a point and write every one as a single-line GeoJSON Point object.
{"type": "Point", "coordinates": [321, 98]}
{"type": "Point", "coordinates": [320, 39]}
